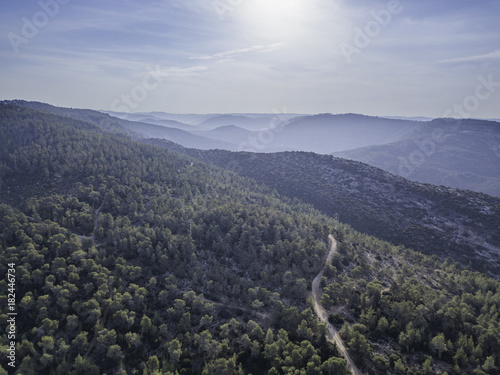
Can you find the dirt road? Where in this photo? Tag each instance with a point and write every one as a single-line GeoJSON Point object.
{"type": "Point", "coordinates": [333, 335]}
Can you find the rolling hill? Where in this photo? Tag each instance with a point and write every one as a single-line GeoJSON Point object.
{"type": "Point", "coordinates": [456, 153]}
{"type": "Point", "coordinates": [135, 129]}
{"type": "Point", "coordinates": [450, 152]}
{"type": "Point", "coordinates": [131, 259]}
{"type": "Point", "coordinates": [327, 133]}
{"type": "Point", "coordinates": [229, 134]}
{"type": "Point", "coordinates": [447, 222]}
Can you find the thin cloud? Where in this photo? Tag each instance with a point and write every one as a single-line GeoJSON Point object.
{"type": "Point", "coordinates": [232, 54]}
{"type": "Point", "coordinates": [488, 56]}
{"type": "Point", "coordinates": [181, 72]}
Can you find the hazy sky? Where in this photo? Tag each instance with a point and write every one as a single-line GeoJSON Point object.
{"type": "Point", "coordinates": [405, 58]}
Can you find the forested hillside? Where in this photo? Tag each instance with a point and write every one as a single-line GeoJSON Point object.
{"type": "Point", "coordinates": [403, 312]}
{"type": "Point", "coordinates": [115, 241]}
{"type": "Point", "coordinates": [104, 121]}
{"type": "Point", "coordinates": [134, 129]}
{"type": "Point", "coordinates": [447, 222]}
{"type": "Point", "coordinates": [130, 259]}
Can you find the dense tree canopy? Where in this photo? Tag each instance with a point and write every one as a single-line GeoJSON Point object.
{"type": "Point", "coordinates": [134, 260]}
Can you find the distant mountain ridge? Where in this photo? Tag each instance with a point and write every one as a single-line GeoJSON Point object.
{"type": "Point", "coordinates": [228, 133]}
{"type": "Point", "coordinates": [135, 129]}
{"type": "Point", "coordinates": [468, 157]}
{"type": "Point", "coordinates": [456, 153]}
{"type": "Point", "coordinates": [324, 132]}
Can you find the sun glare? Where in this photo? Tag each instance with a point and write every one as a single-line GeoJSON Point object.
{"type": "Point", "coordinates": [277, 19]}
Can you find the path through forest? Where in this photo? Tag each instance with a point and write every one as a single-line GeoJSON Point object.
{"type": "Point", "coordinates": [333, 335]}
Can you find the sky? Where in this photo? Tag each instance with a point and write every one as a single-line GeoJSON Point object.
{"type": "Point", "coordinates": [384, 58]}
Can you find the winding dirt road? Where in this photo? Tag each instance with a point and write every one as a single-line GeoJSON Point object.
{"type": "Point", "coordinates": [333, 335]}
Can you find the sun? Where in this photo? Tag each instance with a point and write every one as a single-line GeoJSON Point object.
{"type": "Point", "coordinates": [277, 7]}
{"type": "Point", "coordinates": [276, 19]}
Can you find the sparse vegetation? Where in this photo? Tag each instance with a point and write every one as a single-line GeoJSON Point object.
{"type": "Point", "coordinates": [399, 303]}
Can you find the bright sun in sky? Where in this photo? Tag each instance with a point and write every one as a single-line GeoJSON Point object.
{"type": "Point", "coordinates": [276, 19]}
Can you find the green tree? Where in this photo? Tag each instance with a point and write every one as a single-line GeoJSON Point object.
{"type": "Point", "coordinates": [427, 367]}
{"type": "Point", "coordinates": [380, 364]}
{"type": "Point", "coordinates": [360, 348]}
{"type": "Point", "coordinates": [438, 344]}
{"type": "Point", "coordinates": [83, 366]}
{"type": "Point", "coordinates": [460, 358]}
{"type": "Point", "coordinates": [269, 339]}
{"type": "Point", "coordinates": [153, 365]}
{"type": "Point", "coordinates": [115, 353]}
{"type": "Point", "coordinates": [335, 366]}
{"type": "Point", "coordinates": [174, 350]}
{"type": "Point", "coordinates": [46, 343]}
{"type": "Point", "coordinates": [223, 366]}
{"type": "Point", "coordinates": [399, 367]}
{"type": "Point", "coordinates": [489, 365]}
{"type": "Point", "coordinates": [382, 326]}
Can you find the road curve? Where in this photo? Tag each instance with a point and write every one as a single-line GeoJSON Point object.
{"type": "Point", "coordinates": [333, 335]}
